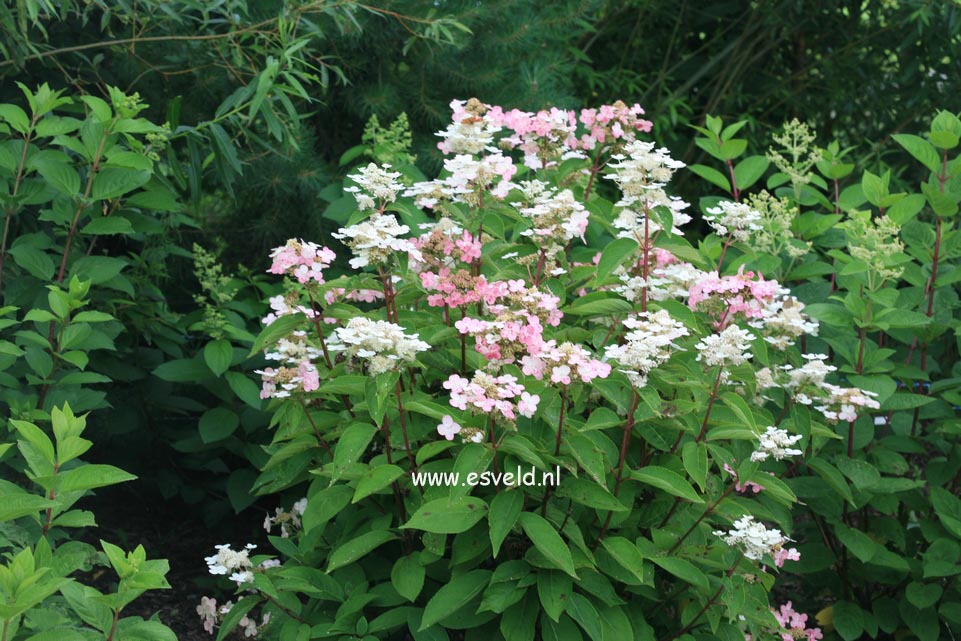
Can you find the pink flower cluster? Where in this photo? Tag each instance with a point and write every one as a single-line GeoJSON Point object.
{"type": "Point", "coordinates": [794, 624]}
{"type": "Point", "coordinates": [443, 246]}
{"type": "Point", "coordinates": [560, 364]}
{"type": "Point", "coordinates": [500, 341]}
{"type": "Point", "coordinates": [486, 394]}
{"type": "Point", "coordinates": [301, 260]}
{"type": "Point", "coordinates": [785, 554]}
{"type": "Point", "coordinates": [725, 297]}
{"type": "Point", "coordinates": [615, 122]}
{"type": "Point", "coordinates": [558, 128]}
{"type": "Point", "coordinates": [459, 289]}
{"type": "Point", "coordinates": [280, 382]}
{"type": "Point", "coordinates": [520, 314]}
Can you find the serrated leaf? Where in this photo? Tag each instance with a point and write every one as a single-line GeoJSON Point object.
{"type": "Point", "coordinates": [664, 479]}
{"type": "Point", "coordinates": [453, 596]}
{"type": "Point", "coordinates": [547, 541]}
{"type": "Point", "coordinates": [504, 510]}
{"type": "Point", "coordinates": [448, 517]}
{"type": "Point", "coordinates": [218, 354]}
{"type": "Point", "coordinates": [407, 577]}
{"type": "Point", "coordinates": [358, 547]}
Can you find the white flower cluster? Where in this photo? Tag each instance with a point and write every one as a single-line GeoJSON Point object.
{"type": "Point", "coordinates": [776, 443]}
{"type": "Point", "coordinates": [235, 562]}
{"type": "Point", "coordinates": [642, 167]}
{"type": "Point", "coordinates": [466, 178]}
{"type": "Point", "coordinates": [375, 240]}
{"type": "Point", "coordinates": [736, 219]}
{"type": "Point", "coordinates": [293, 349]}
{"type": "Point", "coordinates": [557, 217]}
{"type": "Point", "coordinates": [783, 322]}
{"type": "Point", "coordinates": [728, 348]}
{"type": "Point", "coordinates": [289, 522]}
{"type": "Point", "coordinates": [841, 404]}
{"type": "Point", "coordinates": [808, 386]}
{"type": "Point", "coordinates": [630, 219]}
{"type": "Point", "coordinates": [376, 187]}
{"type": "Point", "coordinates": [649, 344]}
{"type": "Point", "coordinates": [471, 132]}
{"type": "Point", "coordinates": [383, 345]}
{"type": "Point", "coordinates": [753, 537]}
{"type": "Point", "coordinates": [280, 306]}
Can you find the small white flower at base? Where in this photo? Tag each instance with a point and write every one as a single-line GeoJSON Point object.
{"type": "Point", "coordinates": [448, 428]}
{"type": "Point", "coordinates": [207, 610]}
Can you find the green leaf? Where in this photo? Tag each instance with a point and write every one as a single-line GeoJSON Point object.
{"type": "Point", "coordinates": [749, 171]}
{"type": "Point", "coordinates": [603, 305]}
{"type": "Point", "coordinates": [923, 623]}
{"type": "Point", "coordinates": [941, 202]}
{"type": "Point", "coordinates": [586, 616]}
{"type": "Point", "coordinates": [280, 328]}
{"type": "Point", "coordinates": [90, 476]}
{"type": "Point", "coordinates": [218, 354]}
{"type": "Point", "coordinates": [113, 182]}
{"type": "Point", "coordinates": [694, 456]}
{"type": "Point", "coordinates": [217, 424]}
{"type": "Point", "coordinates": [612, 256]}
{"type": "Point", "coordinates": [357, 548]}
{"type": "Point", "coordinates": [453, 596]}
{"type": "Point", "coordinates": [874, 188]}
{"type": "Point", "coordinates": [376, 479]}
{"type": "Point", "coordinates": [905, 401]}
{"type": "Point", "coordinates": [923, 595]}
{"type": "Point", "coordinates": [448, 517]}
{"type": "Point", "coordinates": [563, 630]}
{"type": "Point", "coordinates": [504, 510]}
{"type": "Point", "coordinates": [712, 176]}
{"type": "Point", "coordinates": [554, 590]}
{"type": "Point", "coordinates": [664, 479]}
{"type": "Point", "coordinates": [182, 370]}
{"type": "Point", "coordinates": [34, 261]}
{"type": "Point", "coordinates": [325, 505]}
{"type": "Point", "coordinates": [944, 139]}
{"type": "Point", "coordinates": [586, 492]}
{"type": "Point", "coordinates": [108, 225]}
{"type": "Point", "coordinates": [59, 175]}
{"type": "Point", "coordinates": [682, 569]}
{"type": "Point", "coordinates": [407, 577]}
{"type": "Point", "coordinates": [93, 317]}
{"type": "Point", "coordinates": [547, 541]}
{"type": "Point", "coordinates": [906, 208]}
{"type": "Point", "coordinates": [36, 437]}
{"type": "Point", "coordinates": [351, 445]}
{"type": "Point", "coordinates": [16, 117]}
{"type": "Point", "coordinates": [627, 555]}
{"type": "Point", "coordinates": [245, 389]}
{"type": "Point", "coordinates": [348, 384]}
{"type": "Point", "coordinates": [848, 620]}
{"type": "Point", "coordinates": [832, 477]}
{"type": "Point", "coordinates": [236, 613]}
{"type": "Point", "coordinates": [921, 149]}
{"type": "Point", "coordinates": [14, 505]}
{"type": "Point", "coordinates": [859, 543]}
{"type": "Point", "coordinates": [740, 407]}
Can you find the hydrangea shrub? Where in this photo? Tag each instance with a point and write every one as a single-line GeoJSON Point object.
{"type": "Point", "coordinates": [727, 434]}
